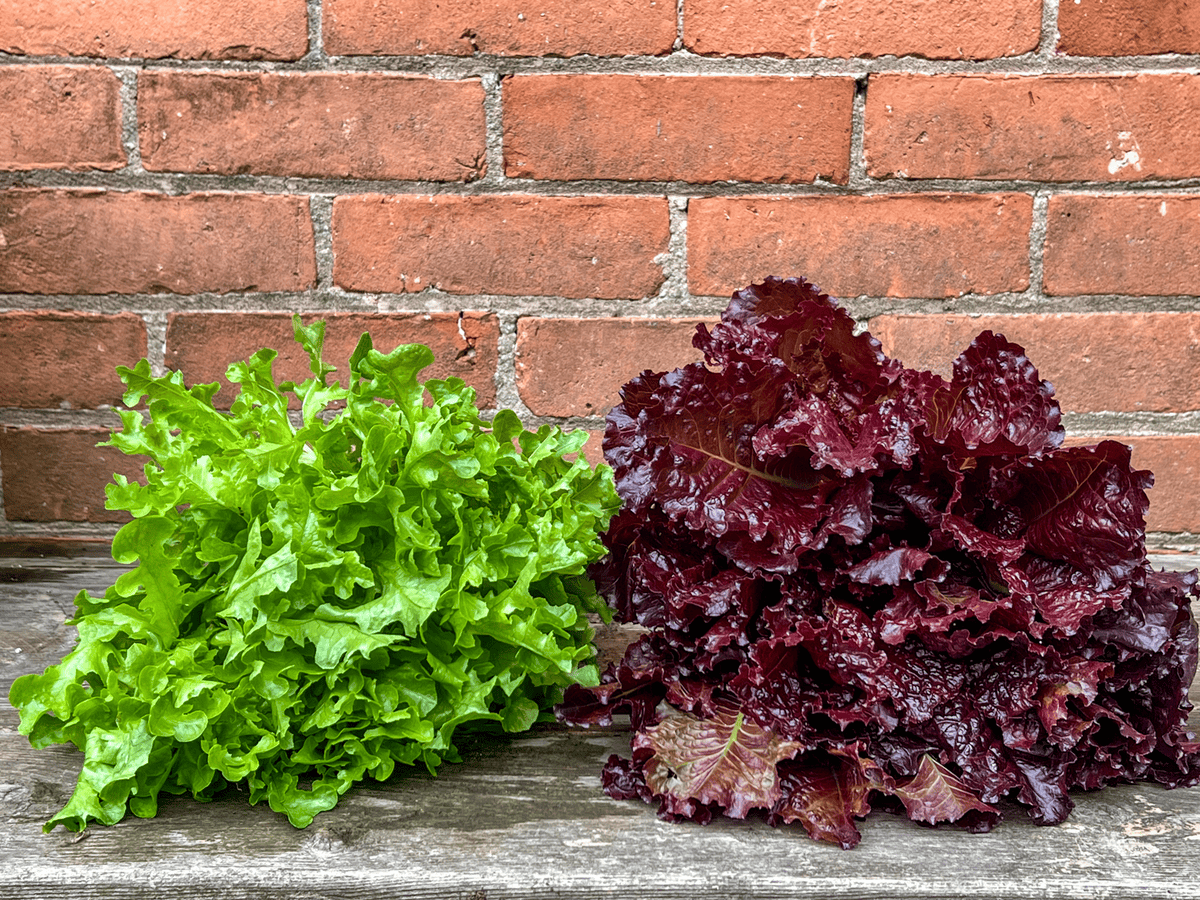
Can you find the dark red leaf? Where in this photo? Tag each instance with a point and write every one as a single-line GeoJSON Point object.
{"type": "Point", "coordinates": [826, 794]}
{"type": "Point", "coordinates": [725, 759]}
{"type": "Point", "coordinates": [934, 795]}
{"type": "Point", "coordinates": [996, 404]}
{"type": "Point", "coordinates": [863, 581]}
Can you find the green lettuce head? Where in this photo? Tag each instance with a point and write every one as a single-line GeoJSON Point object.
{"type": "Point", "coordinates": [321, 595]}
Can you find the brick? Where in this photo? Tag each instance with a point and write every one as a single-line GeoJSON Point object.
{"type": "Point", "coordinates": [576, 367]}
{"type": "Point", "coordinates": [202, 345]}
{"type": "Point", "coordinates": [908, 245]}
{"type": "Point", "coordinates": [1044, 128]}
{"type": "Point", "coordinates": [59, 474]}
{"type": "Point", "coordinates": [1121, 362]}
{"type": "Point", "coordinates": [853, 28]}
{"type": "Point", "coordinates": [498, 27]}
{"type": "Point", "coordinates": [501, 244]}
{"type": "Point", "coordinates": [66, 359]}
{"type": "Point", "coordinates": [339, 125]}
{"type": "Point", "coordinates": [101, 242]}
{"type": "Point", "coordinates": [1128, 27]}
{"type": "Point", "coordinates": [1175, 462]}
{"type": "Point", "coordinates": [152, 29]}
{"type": "Point", "coordinates": [667, 128]}
{"type": "Point", "coordinates": [60, 117]}
{"type": "Point", "coordinates": [1144, 245]}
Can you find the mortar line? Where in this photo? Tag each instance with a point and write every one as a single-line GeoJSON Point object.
{"type": "Point", "coordinates": [498, 184]}
{"type": "Point", "coordinates": [1037, 246]}
{"type": "Point", "coordinates": [1048, 40]}
{"type": "Point", "coordinates": [60, 529]}
{"type": "Point", "coordinates": [681, 62]}
{"type": "Point", "coordinates": [321, 212]}
{"type": "Point", "coordinates": [507, 395]}
{"type": "Point", "coordinates": [130, 140]}
{"type": "Point", "coordinates": [1168, 540]}
{"type": "Point", "coordinates": [59, 419]}
{"type": "Point", "coordinates": [493, 115]}
{"type": "Point", "coordinates": [156, 341]}
{"type": "Point", "coordinates": [675, 260]}
{"type": "Point", "coordinates": [678, 44]}
{"type": "Point", "coordinates": [316, 38]}
{"type": "Point", "coordinates": [335, 299]}
{"type": "Point", "coordinates": [1134, 424]}
{"type": "Point", "coordinates": [858, 180]}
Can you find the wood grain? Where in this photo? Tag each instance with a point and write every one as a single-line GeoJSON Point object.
{"type": "Point", "coordinates": [525, 817]}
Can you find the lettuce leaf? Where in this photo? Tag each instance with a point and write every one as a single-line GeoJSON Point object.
{"type": "Point", "coordinates": [902, 586]}
{"type": "Point", "coordinates": [321, 595]}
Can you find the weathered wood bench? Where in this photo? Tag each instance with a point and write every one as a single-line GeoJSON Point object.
{"type": "Point", "coordinates": [525, 818]}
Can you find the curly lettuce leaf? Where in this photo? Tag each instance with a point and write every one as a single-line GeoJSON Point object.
{"type": "Point", "coordinates": [318, 601]}
{"type": "Point", "coordinates": [907, 581]}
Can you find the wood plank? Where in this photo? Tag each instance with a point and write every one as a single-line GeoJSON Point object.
{"type": "Point", "coordinates": [36, 598]}
{"type": "Point", "coordinates": [525, 817]}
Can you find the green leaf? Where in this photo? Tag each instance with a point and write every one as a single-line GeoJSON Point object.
{"type": "Point", "coordinates": [256, 578]}
{"type": "Point", "coordinates": [309, 605]}
{"type": "Point", "coordinates": [331, 641]}
{"type": "Point", "coordinates": [312, 339]}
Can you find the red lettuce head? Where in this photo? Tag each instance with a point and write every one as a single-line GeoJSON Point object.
{"type": "Point", "coordinates": [870, 586]}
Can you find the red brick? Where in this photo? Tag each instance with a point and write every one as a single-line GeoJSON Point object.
{"type": "Point", "coordinates": [1143, 245]}
{"type": "Point", "coordinates": [499, 27]}
{"type": "Point", "coordinates": [1045, 127]}
{"type": "Point", "coordinates": [341, 125]}
{"type": "Point", "coordinates": [60, 117]}
{"type": "Point", "coordinates": [1175, 462]}
{"type": "Point", "coordinates": [870, 28]}
{"type": "Point", "coordinates": [666, 128]}
{"type": "Point", "coordinates": [66, 359]}
{"type": "Point", "coordinates": [576, 367]}
{"type": "Point", "coordinates": [1128, 362]}
{"type": "Point", "coordinates": [198, 29]}
{"type": "Point", "coordinates": [501, 244]}
{"type": "Point", "coordinates": [908, 245]}
{"type": "Point", "coordinates": [59, 474]}
{"type": "Point", "coordinates": [202, 345]}
{"type": "Point", "coordinates": [1128, 27]}
{"type": "Point", "coordinates": [101, 242]}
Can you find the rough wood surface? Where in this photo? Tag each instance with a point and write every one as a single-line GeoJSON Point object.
{"type": "Point", "coordinates": [525, 818]}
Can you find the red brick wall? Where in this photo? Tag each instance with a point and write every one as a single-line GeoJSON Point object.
{"type": "Point", "coordinates": [552, 195]}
